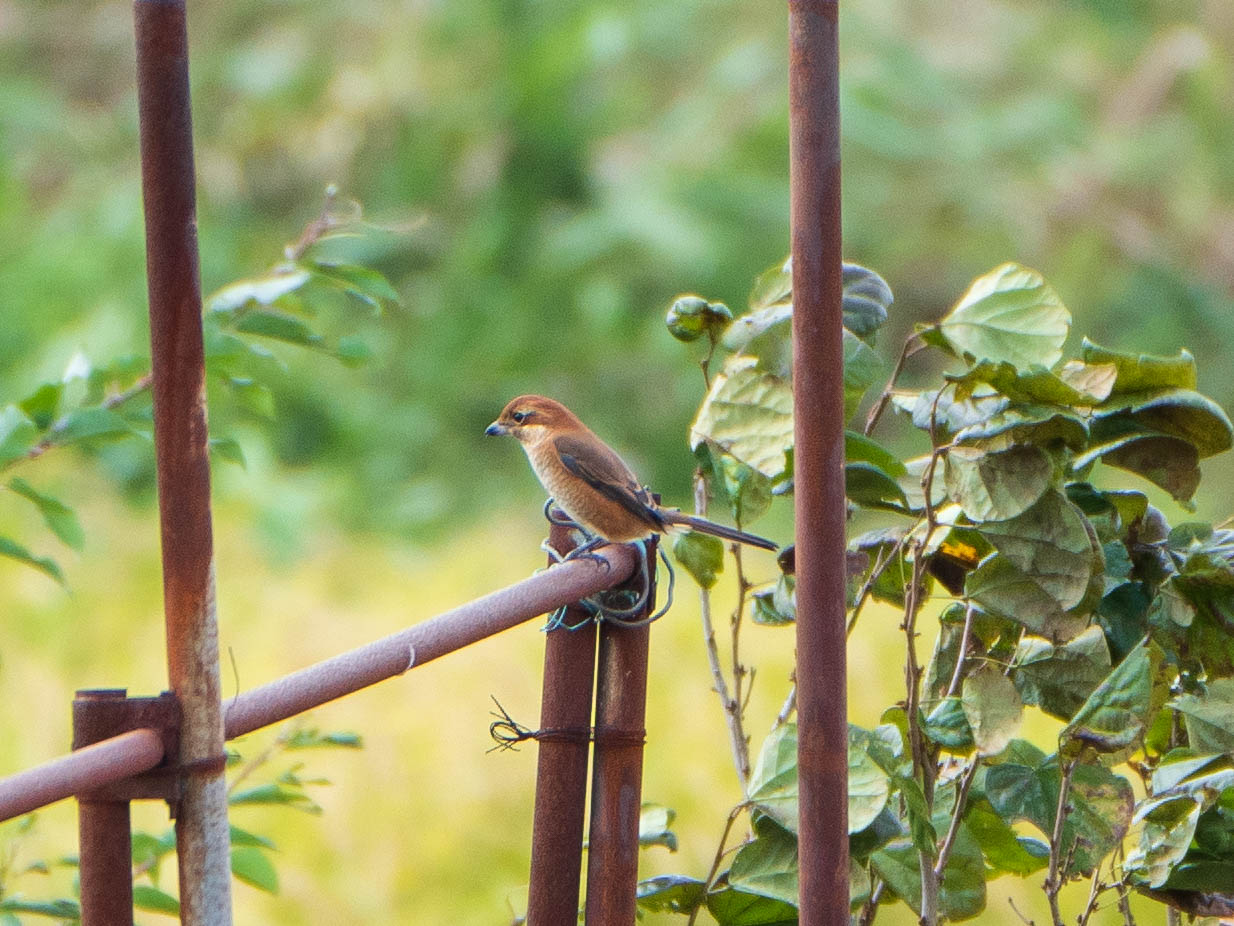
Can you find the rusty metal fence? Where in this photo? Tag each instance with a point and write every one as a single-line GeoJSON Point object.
{"type": "Point", "coordinates": [171, 747]}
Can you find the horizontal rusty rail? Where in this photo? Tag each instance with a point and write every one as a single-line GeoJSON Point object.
{"type": "Point", "coordinates": [140, 750]}
{"type": "Point", "coordinates": [85, 769]}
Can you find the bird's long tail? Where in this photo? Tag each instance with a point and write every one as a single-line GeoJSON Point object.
{"type": "Point", "coordinates": [718, 530]}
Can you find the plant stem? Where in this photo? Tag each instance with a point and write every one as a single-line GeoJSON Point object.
{"type": "Point", "coordinates": [870, 908]}
{"type": "Point", "coordinates": [962, 654]}
{"type": "Point", "coordinates": [58, 427]}
{"type": "Point", "coordinates": [730, 704]}
{"type": "Point", "coordinates": [742, 745]}
{"type": "Point", "coordinates": [944, 851]}
{"type": "Point", "coordinates": [912, 344]}
{"type": "Point", "coordinates": [1054, 875]}
{"type": "Point", "coordinates": [786, 709]}
{"type": "Point", "coordinates": [718, 859]}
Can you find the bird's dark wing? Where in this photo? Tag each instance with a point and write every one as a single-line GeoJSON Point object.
{"type": "Point", "coordinates": [600, 467]}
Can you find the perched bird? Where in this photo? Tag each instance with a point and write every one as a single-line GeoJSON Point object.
{"type": "Point", "coordinates": [589, 481]}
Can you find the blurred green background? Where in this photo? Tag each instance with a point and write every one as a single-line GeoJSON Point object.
{"type": "Point", "coordinates": [557, 172]}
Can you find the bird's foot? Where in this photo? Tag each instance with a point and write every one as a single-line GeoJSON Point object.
{"type": "Point", "coordinates": [623, 614]}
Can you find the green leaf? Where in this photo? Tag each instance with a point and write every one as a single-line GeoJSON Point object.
{"type": "Point", "coordinates": [861, 449]}
{"type": "Point", "coordinates": [252, 866]}
{"type": "Point", "coordinates": [309, 738]}
{"type": "Point", "coordinates": [963, 892]}
{"type": "Point", "coordinates": [262, 290]}
{"type": "Point", "coordinates": [241, 837]}
{"type": "Point", "coordinates": [363, 283]}
{"type": "Point", "coordinates": [229, 450]}
{"type": "Point", "coordinates": [1166, 826]}
{"type": "Point", "coordinates": [671, 894]}
{"type": "Point", "coordinates": [352, 351]}
{"type": "Point", "coordinates": [997, 486]}
{"type": "Point", "coordinates": [776, 604]}
{"type": "Point", "coordinates": [14, 550]}
{"type": "Point", "coordinates": [17, 434]}
{"type": "Point", "coordinates": [732, 907]}
{"type": "Point", "coordinates": [1058, 679]}
{"type": "Point", "coordinates": [773, 782]}
{"type": "Point", "coordinates": [1002, 588]}
{"type": "Point", "coordinates": [767, 866]}
{"type": "Point", "coordinates": [993, 709]}
{"type": "Point", "coordinates": [62, 908]}
{"type": "Point", "coordinates": [948, 726]}
{"type": "Point", "coordinates": [1002, 847]}
{"type": "Point", "coordinates": [867, 297]}
{"type": "Point", "coordinates": [1027, 424]}
{"type": "Point", "coordinates": [749, 414]}
{"type": "Point", "coordinates": [93, 422]}
{"type": "Point", "coordinates": [1209, 716]}
{"type": "Point", "coordinates": [280, 327]}
{"type": "Point", "coordinates": [654, 827]}
{"type": "Point", "coordinates": [868, 785]}
{"type": "Point", "coordinates": [1036, 384]}
{"type": "Point", "coordinates": [747, 490]}
{"type": "Point", "coordinates": [275, 794]}
{"type": "Point", "coordinates": [58, 516]}
{"type": "Point", "coordinates": [148, 897]}
{"type": "Point", "coordinates": [1180, 413]}
{"type": "Point", "coordinates": [1050, 543]}
{"type": "Point", "coordinates": [1143, 372]}
{"type": "Point", "coordinates": [1100, 802]}
{"type": "Point", "coordinates": [1011, 314]}
{"type": "Point", "coordinates": [1116, 715]}
{"type": "Point", "coordinates": [863, 367]}
{"type": "Point", "coordinates": [1166, 461]}
{"type": "Point", "coordinates": [42, 404]}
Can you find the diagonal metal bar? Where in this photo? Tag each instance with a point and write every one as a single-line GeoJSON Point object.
{"type": "Point", "coordinates": [86, 769]}
{"type": "Point", "coordinates": [818, 367]}
{"type": "Point", "coordinates": [428, 640]}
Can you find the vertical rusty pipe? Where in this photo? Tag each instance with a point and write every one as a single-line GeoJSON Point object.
{"type": "Point", "coordinates": [617, 776]}
{"type": "Point", "coordinates": [169, 196]}
{"type": "Point", "coordinates": [561, 775]}
{"type": "Point", "coordinates": [104, 833]}
{"type": "Point", "coordinates": [818, 371]}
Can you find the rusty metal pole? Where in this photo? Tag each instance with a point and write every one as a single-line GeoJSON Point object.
{"type": "Point", "coordinates": [105, 839]}
{"type": "Point", "coordinates": [169, 195]}
{"type": "Point", "coordinates": [818, 372]}
{"type": "Point", "coordinates": [617, 776]}
{"type": "Point", "coordinates": [561, 773]}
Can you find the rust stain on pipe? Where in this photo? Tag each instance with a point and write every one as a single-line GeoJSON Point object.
{"type": "Point", "coordinates": [182, 451]}
{"type": "Point", "coordinates": [561, 772]}
{"type": "Point", "coordinates": [818, 368]}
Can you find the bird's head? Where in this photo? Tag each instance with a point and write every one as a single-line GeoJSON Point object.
{"type": "Point", "coordinates": [532, 417]}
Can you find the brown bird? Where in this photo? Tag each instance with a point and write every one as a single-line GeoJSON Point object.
{"type": "Point", "coordinates": [589, 481]}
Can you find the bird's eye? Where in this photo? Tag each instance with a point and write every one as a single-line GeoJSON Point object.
{"type": "Point", "coordinates": [519, 417]}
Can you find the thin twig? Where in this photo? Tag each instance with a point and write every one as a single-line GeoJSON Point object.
{"type": "Point", "coordinates": [732, 709]}
{"type": "Point", "coordinates": [1094, 891]}
{"type": "Point", "coordinates": [1055, 875]}
{"type": "Point", "coordinates": [957, 813]}
{"type": "Point", "coordinates": [786, 709]}
{"type": "Point", "coordinates": [962, 655]}
{"type": "Point", "coordinates": [870, 908]}
{"type": "Point", "coordinates": [738, 668]}
{"type": "Point", "coordinates": [1023, 919]}
{"type": "Point", "coordinates": [61, 424]}
{"type": "Point", "coordinates": [718, 859]}
{"type": "Point", "coordinates": [912, 344]}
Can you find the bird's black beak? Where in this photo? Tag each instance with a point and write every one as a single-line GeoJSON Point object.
{"type": "Point", "coordinates": [495, 429]}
